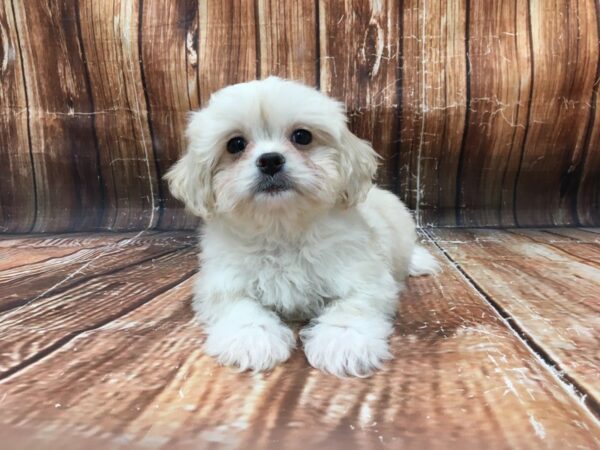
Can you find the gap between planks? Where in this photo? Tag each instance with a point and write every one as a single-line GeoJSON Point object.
{"type": "Point", "coordinates": [589, 403]}
{"type": "Point", "coordinates": [51, 349]}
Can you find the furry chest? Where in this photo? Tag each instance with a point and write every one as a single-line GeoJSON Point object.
{"type": "Point", "coordinates": [289, 284]}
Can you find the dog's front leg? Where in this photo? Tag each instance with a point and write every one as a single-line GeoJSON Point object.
{"type": "Point", "coordinates": [242, 333]}
{"type": "Point", "coordinates": [350, 338]}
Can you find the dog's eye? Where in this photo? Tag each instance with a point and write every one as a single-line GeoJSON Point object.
{"type": "Point", "coordinates": [301, 137]}
{"type": "Point", "coordinates": [236, 145]}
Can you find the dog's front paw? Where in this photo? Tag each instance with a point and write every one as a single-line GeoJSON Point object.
{"type": "Point", "coordinates": [253, 347]}
{"type": "Point", "coordinates": [345, 350]}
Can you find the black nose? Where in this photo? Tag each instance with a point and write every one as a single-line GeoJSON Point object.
{"type": "Point", "coordinates": [270, 163]}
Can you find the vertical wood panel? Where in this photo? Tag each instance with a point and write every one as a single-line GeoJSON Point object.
{"type": "Point", "coordinates": [500, 85]}
{"type": "Point", "coordinates": [565, 57]}
{"type": "Point", "coordinates": [434, 98]}
{"type": "Point", "coordinates": [94, 102]}
{"type": "Point", "coordinates": [588, 199]}
{"type": "Point", "coordinates": [588, 194]}
{"type": "Point", "coordinates": [69, 195]}
{"type": "Point", "coordinates": [110, 39]}
{"type": "Point", "coordinates": [228, 51]}
{"type": "Point", "coordinates": [169, 39]}
{"type": "Point", "coordinates": [288, 39]}
{"type": "Point", "coordinates": [17, 186]}
{"type": "Point", "coordinates": [359, 48]}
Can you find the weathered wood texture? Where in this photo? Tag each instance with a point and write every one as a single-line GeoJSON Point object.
{"type": "Point", "coordinates": [548, 282]}
{"type": "Point", "coordinates": [115, 359]}
{"type": "Point", "coordinates": [485, 112]}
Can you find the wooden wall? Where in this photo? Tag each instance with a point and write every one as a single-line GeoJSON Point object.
{"type": "Point", "coordinates": [484, 110]}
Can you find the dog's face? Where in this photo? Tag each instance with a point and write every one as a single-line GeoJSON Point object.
{"type": "Point", "coordinates": [270, 147]}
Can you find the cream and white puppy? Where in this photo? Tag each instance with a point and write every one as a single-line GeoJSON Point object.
{"type": "Point", "coordinates": [294, 229]}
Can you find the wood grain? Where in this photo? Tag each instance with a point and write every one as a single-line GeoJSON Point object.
{"type": "Point", "coordinates": [58, 318]}
{"type": "Point", "coordinates": [563, 34]}
{"type": "Point", "coordinates": [109, 31]}
{"type": "Point", "coordinates": [17, 183]}
{"type": "Point", "coordinates": [359, 53]}
{"type": "Point", "coordinates": [122, 362]}
{"type": "Point", "coordinates": [68, 194]}
{"type": "Point", "coordinates": [19, 251]}
{"type": "Point", "coordinates": [169, 42]}
{"type": "Point", "coordinates": [227, 42]}
{"type": "Point", "coordinates": [548, 283]}
{"type": "Point", "coordinates": [287, 32]}
{"type": "Point", "coordinates": [499, 75]}
{"type": "Point", "coordinates": [485, 113]}
{"type": "Point", "coordinates": [434, 100]}
{"type": "Point", "coordinates": [27, 283]}
{"type": "Point", "coordinates": [588, 192]}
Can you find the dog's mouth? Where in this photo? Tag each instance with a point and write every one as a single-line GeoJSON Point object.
{"type": "Point", "coordinates": [273, 185]}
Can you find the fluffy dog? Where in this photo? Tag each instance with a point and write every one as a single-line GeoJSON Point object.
{"type": "Point", "coordinates": [293, 228]}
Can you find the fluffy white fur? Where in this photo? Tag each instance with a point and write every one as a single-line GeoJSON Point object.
{"type": "Point", "coordinates": [332, 249]}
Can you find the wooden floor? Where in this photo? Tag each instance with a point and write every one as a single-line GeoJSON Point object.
{"type": "Point", "coordinates": [99, 349]}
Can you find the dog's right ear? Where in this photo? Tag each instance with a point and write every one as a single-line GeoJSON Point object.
{"type": "Point", "coordinates": [191, 184]}
{"type": "Point", "coordinates": [190, 178]}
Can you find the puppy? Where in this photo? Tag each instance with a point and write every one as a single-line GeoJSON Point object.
{"type": "Point", "coordinates": [293, 229]}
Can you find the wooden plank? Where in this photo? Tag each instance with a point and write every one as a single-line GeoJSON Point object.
{"type": "Point", "coordinates": [570, 234]}
{"type": "Point", "coordinates": [227, 42]}
{"type": "Point", "coordinates": [88, 305]}
{"type": "Point", "coordinates": [288, 39]}
{"type": "Point", "coordinates": [434, 100]}
{"type": "Point", "coordinates": [63, 148]}
{"type": "Point", "coordinates": [169, 46]}
{"type": "Point", "coordinates": [499, 87]}
{"type": "Point", "coordinates": [23, 284]}
{"type": "Point", "coordinates": [588, 193]}
{"type": "Point", "coordinates": [79, 240]}
{"type": "Point", "coordinates": [21, 250]}
{"type": "Point", "coordinates": [11, 258]}
{"type": "Point", "coordinates": [362, 71]}
{"type": "Point", "coordinates": [563, 78]}
{"type": "Point", "coordinates": [550, 290]}
{"type": "Point", "coordinates": [143, 378]}
{"type": "Point", "coordinates": [17, 184]}
{"type": "Point", "coordinates": [109, 32]}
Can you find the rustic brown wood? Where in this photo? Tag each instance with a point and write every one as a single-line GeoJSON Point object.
{"type": "Point", "coordinates": [81, 239]}
{"type": "Point", "coordinates": [287, 32]}
{"type": "Point", "coordinates": [499, 75]}
{"type": "Point", "coordinates": [110, 35]}
{"type": "Point", "coordinates": [228, 52]}
{"type": "Point", "coordinates": [21, 251]}
{"type": "Point", "coordinates": [588, 193]}
{"type": "Point", "coordinates": [17, 186]}
{"type": "Point", "coordinates": [434, 99]}
{"type": "Point", "coordinates": [563, 34]}
{"type": "Point", "coordinates": [93, 104]}
{"type": "Point", "coordinates": [548, 283]}
{"type": "Point", "coordinates": [68, 194]}
{"type": "Point", "coordinates": [26, 283]}
{"type": "Point", "coordinates": [359, 54]}
{"type": "Point", "coordinates": [85, 306]}
{"type": "Point", "coordinates": [117, 359]}
{"type": "Point", "coordinates": [169, 40]}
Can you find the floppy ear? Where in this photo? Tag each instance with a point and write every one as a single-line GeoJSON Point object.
{"type": "Point", "coordinates": [358, 164]}
{"type": "Point", "coordinates": [190, 181]}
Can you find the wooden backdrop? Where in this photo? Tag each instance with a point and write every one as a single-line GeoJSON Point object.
{"type": "Point", "coordinates": [484, 110]}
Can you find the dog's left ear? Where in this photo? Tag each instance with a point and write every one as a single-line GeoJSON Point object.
{"type": "Point", "coordinates": [358, 164]}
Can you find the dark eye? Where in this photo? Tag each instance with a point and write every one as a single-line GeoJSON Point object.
{"type": "Point", "coordinates": [301, 137]}
{"type": "Point", "coordinates": [236, 145]}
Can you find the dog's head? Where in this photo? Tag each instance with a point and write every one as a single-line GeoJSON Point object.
{"type": "Point", "coordinates": [268, 147]}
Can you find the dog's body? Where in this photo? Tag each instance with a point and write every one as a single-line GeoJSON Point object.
{"type": "Point", "coordinates": [297, 234]}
